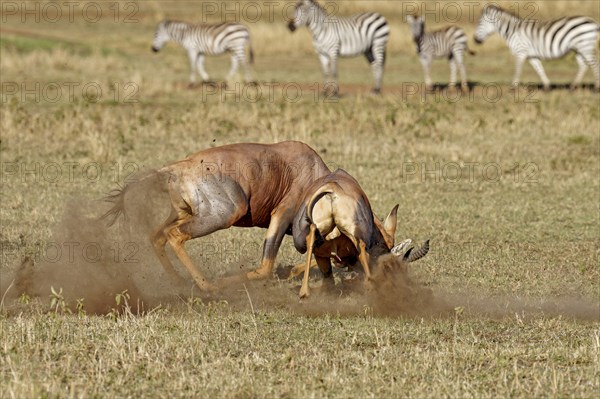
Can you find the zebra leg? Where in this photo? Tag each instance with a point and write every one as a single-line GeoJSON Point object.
{"type": "Point", "coordinates": [595, 67]}
{"type": "Point", "coordinates": [201, 70]}
{"type": "Point", "coordinates": [324, 58]}
{"type": "Point", "coordinates": [460, 61]}
{"type": "Point", "coordinates": [334, 74]}
{"type": "Point", "coordinates": [192, 54]}
{"type": "Point", "coordinates": [537, 65]}
{"type": "Point", "coordinates": [234, 67]}
{"type": "Point", "coordinates": [582, 68]}
{"type": "Point", "coordinates": [452, 63]}
{"type": "Point", "coordinates": [426, 63]}
{"type": "Point", "coordinates": [518, 68]}
{"type": "Point", "coordinates": [247, 72]}
{"type": "Point", "coordinates": [376, 56]}
{"type": "Point", "coordinates": [589, 58]}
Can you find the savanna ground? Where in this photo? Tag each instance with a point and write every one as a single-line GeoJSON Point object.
{"type": "Point", "coordinates": [505, 183]}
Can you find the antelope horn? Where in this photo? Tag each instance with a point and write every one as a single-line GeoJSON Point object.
{"type": "Point", "coordinates": [410, 256]}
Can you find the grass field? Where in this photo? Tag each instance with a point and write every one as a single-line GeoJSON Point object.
{"type": "Point", "coordinates": [505, 183]}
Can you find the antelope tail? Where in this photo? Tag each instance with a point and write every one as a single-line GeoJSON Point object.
{"type": "Point", "coordinates": [117, 197]}
{"type": "Point", "coordinates": [329, 188]}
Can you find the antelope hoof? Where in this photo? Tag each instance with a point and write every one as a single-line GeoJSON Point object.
{"type": "Point", "coordinates": [205, 286]}
{"type": "Point", "coordinates": [257, 275]}
{"type": "Point", "coordinates": [369, 285]}
{"type": "Point", "coordinates": [296, 271]}
{"type": "Point", "coordinates": [304, 292]}
{"type": "Point", "coordinates": [211, 288]}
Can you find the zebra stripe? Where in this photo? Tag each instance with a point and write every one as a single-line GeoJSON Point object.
{"type": "Point", "coordinates": [204, 39]}
{"type": "Point", "coordinates": [540, 40]}
{"type": "Point", "coordinates": [450, 42]}
{"type": "Point", "coordinates": [335, 37]}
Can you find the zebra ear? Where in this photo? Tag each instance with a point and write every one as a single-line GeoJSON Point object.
{"type": "Point", "coordinates": [410, 18]}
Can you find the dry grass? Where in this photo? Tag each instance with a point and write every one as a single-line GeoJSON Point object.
{"type": "Point", "coordinates": [212, 351]}
{"type": "Point", "coordinates": [515, 256]}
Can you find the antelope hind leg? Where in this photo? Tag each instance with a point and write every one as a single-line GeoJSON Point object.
{"type": "Point", "coordinates": [310, 242]}
{"type": "Point", "coordinates": [177, 240]}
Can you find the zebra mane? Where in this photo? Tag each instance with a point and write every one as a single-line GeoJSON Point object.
{"type": "Point", "coordinates": [318, 6]}
{"type": "Point", "coordinates": [503, 12]}
{"type": "Point", "coordinates": [170, 22]}
{"type": "Point", "coordinates": [418, 39]}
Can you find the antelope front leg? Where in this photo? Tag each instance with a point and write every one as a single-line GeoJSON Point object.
{"type": "Point", "coordinates": [310, 241]}
{"type": "Point", "coordinates": [363, 257]}
{"type": "Point", "coordinates": [299, 269]}
{"type": "Point", "coordinates": [325, 266]}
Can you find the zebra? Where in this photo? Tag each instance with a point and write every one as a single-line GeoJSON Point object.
{"type": "Point", "coordinates": [450, 42]}
{"type": "Point", "coordinates": [335, 37]}
{"type": "Point", "coordinates": [539, 40]}
{"type": "Point", "coordinates": [204, 39]}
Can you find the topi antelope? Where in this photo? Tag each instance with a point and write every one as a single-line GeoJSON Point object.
{"type": "Point", "coordinates": [243, 185]}
{"type": "Point", "coordinates": [336, 220]}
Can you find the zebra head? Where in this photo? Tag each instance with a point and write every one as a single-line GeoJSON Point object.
{"type": "Point", "coordinates": [417, 26]}
{"type": "Point", "coordinates": [161, 36]}
{"type": "Point", "coordinates": [303, 11]}
{"type": "Point", "coordinates": [487, 23]}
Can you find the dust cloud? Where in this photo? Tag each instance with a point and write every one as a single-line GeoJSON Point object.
{"type": "Point", "coordinates": [93, 263]}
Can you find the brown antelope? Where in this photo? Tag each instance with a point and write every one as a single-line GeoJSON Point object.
{"type": "Point", "coordinates": [336, 220]}
{"type": "Point", "coordinates": [243, 185]}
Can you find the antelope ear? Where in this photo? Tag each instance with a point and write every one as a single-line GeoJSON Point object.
{"type": "Point", "coordinates": [390, 222]}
